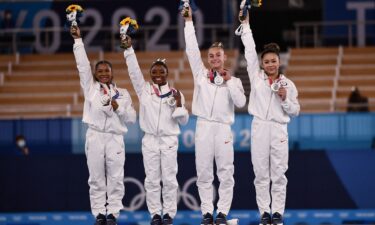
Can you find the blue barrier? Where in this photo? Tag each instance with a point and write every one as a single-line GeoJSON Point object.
{"type": "Point", "coordinates": [306, 132]}
{"type": "Point", "coordinates": [47, 136]}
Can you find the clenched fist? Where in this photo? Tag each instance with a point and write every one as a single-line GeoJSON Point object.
{"type": "Point", "coordinates": [75, 32]}
{"type": "Point", "coordinates": [126, 42]}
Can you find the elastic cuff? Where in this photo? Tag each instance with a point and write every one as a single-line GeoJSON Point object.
{"type": "Point", "coordinates": [120, 110]}
{"type": "Point", "coordinates": [179, 112]}
{"type": "Point", "coordinates": [189, 25]}
{"type": "Point", "coordinates": [128, 51]}
{"type": "Point", "coordinates": [285, 104]}
{"type": "Point", "coordinates": [246, 28]}
{"type": "Point", "coordinates": [78, 41]}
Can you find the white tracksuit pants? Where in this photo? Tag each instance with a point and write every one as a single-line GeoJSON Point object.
{"type": "Point", "coordinates": [214, 141]}
{"type": "Point", "coordinates": [269, 155]}
{"type": "Point", "coordinates": [105, 154]}
{"type": "Point", "coordinates": [160, 162]}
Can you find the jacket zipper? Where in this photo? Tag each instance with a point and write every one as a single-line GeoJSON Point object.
{"type": "Point", "coordinates": [105, 121]}
{"type": "Point", "coordinates": [157, 128]}
{"type": "Point", "coordinates": [106, 117]}
{"type": "Point", "coordinates": [269, 104]}
{"type": "Point", "coordinates": [213, 103]}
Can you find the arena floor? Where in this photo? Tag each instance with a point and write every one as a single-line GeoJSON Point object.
{"type": "Point", "coordinates": [292, 217]}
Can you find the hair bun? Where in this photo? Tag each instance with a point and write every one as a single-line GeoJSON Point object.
{"type": "Point", "coordinates": [273, 47]}
{"type": "Point", "coordinates": [217, 44]}
{"type": "Point", "coordinates": [160, 61]}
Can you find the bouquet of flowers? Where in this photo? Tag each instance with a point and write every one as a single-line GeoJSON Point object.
{"type": "Point", "coordinates": [128, 26]}
{"type": "Point", "coordinates": [73, 13]}
{"type": "Point", "coordinates": [246, 5]}
{"type": "Point", "coordinates": [184, 5]}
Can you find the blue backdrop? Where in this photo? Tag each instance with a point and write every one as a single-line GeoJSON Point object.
{"type": "Point", "coordinates": [349, 10]}
{"type": "Point", "coordinates": [339, 131]}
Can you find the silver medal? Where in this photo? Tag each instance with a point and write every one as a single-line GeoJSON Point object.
{"type": "Point", "coordinates": [219, 80]}
{"type": "Point", "coordinates": [275, 87]}
{"type": "Point", "coordinates": [171, 101]}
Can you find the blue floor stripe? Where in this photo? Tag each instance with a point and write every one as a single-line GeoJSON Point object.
{"type": "Point", "coordinates": [246, 217]}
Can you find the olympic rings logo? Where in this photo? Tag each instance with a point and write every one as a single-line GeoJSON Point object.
{"type": "Point", "coordinates": [188, 199]}
{"type": "Point", "coordinates": [138, 200]}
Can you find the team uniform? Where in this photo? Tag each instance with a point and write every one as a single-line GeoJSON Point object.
{"type": "Point", "coordinates": [214, 106]}
{"type": "Point", "coordinates": [269, 135]}
{"type": "Point", "coordinates": [105, 149]}
{"type": "Point", "coordinates": [160, 122]}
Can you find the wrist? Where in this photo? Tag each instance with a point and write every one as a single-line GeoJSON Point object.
{"type": "Point", "coordinates": [78, 40]}
{"type": "Point", "coordinates": [244, 21]}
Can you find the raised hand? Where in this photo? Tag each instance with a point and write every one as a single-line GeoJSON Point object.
{"type": "Point", "coordinates": [190, 15]}
{"type": "Point", "coordinates": [177, 97]}
{"type": "Point", "coordinates": [282, 93]}
{"type": "Point", "coordinates": [75, 32]}
{"type": "Point", "coordinates": [246, 20]}
{"type": "Point", "coordinates": [114, 104]}
{"type": "Point", "coordinates": [105, 99]}
{"type": "Point", "coordinates": [225, 74]}
{"type": "Point", "coordinates": [126, 42]}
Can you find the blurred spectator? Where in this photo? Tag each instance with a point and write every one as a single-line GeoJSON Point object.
{"type": "Point", "coordinates": [7, 21]}
{"type": "Point", "coordinates": [296, 3]}
{"type": "Point", "coordinates": [357, 102]}
{"type": "Point", "coordinates": [21, 144]}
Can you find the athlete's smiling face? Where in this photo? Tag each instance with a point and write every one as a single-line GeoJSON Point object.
{"type": "Point", "coordinates": [103, 73]}
{"type": "Point", "coordinates": [271, 64]}
{"type": "Point", "coordinates": [159, 74]}
{"type": "Point", "coordinates": [216, 58]}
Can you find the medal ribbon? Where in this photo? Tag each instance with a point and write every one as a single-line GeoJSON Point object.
{"type": "Point", "coordinates": [115, 89]}
{"type": "Point", "coordinates": [271, 82]}
{"type": "Point", "coordinates": [212, 76]}
{"type": "Point", "coordinates": [157, 92]}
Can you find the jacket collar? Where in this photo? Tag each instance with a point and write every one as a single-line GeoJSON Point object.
{"type": "Point", "coordinates": [97, 85]}
{"type": "Point", "coordinates": [164, 89]}
{"type": "Point", "coordinates": [265, 77]}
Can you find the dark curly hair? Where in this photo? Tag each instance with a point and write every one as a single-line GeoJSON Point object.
{"type": "Point", "coordinates": [271, 48]}
{"type": "Point", "coordinates": [161, 62]}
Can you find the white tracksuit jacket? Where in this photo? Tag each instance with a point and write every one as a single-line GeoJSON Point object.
{"type": "Point", "coordinates": [160, 122]}
{"type": "Point", "coordinates": [214, 107]}
{"type": "Point", "coordinates": [105, 149]}
{"type": "Point", "coordinates": [269, 135]}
